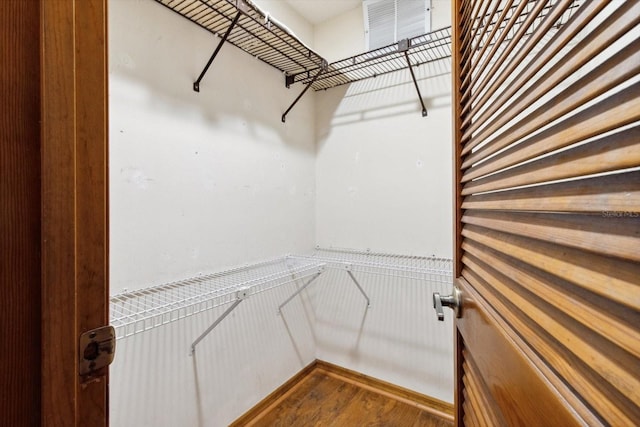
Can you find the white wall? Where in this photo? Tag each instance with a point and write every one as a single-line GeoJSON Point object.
{"type": "Point", "coordinates": [383, 171]}
{"type": "Point", "coordinates": [290, 18]}
{"type": "Point", "coordinates": [200, 181]}
{"type": "Point", "coordinates": [340, 37]}
{"type": "Point", "coordinates": [204, 181]}
{"type": "Point", "coordinates": [384, 182]}
{"type": "Point", "coordinates": [440, 14]}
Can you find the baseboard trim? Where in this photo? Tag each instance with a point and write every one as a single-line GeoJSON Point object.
{"type": "Point", "coordinates": [265, 405]}
{"type": "Point", "coordinates": [434, 406]}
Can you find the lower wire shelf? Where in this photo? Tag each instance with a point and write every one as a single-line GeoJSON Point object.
{"type": "Point", "coordinates": [141, 310]}
{"type": "Point", "coordinates": [145, 309]}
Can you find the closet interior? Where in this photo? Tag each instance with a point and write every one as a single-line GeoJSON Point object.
{"type": "Point", "coordinates": [229, 181]}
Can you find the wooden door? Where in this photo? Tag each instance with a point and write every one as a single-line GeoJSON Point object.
{"type": "Point", "coordinates": [53, 210]}
{"type": "Point", "coordinates": [547, 199]}
{"type": "Point", "coordinates": [19, 214]}
{"type": "Point", "coordinates": [74, 205]}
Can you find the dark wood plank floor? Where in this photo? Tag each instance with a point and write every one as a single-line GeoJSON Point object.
{"type": "Point", "coordinates": [324, 400]}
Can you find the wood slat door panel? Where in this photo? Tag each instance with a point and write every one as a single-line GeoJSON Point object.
{"type": "Point", "coordinates": [514, 393]}
{"type": "Point", "coordinates": [478, 403]}
{"type": "Point", "coordinates": [617, 194]}
{"type": "Point", "coordinates": [547, 204]}
{"type": "Point", "coordinates": [615, 112]}
{"type": "Point", "coordinates": [617, 69]}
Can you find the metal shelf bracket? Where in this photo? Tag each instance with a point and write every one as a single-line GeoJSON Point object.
{"type": "Point", "coordinates": [302, 288]}
{"type": "Point", "coordinates": [403, 46]}
{"type": "Point", "coordinates": [324, 67]}
{"type": "Point", "coordinates": [241, 295]}
{"type": "Point", "coordinates": [196, 84]}
{"type": "Point", "coordinates": [347, 267]}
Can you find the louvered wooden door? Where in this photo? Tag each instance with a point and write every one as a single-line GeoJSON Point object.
{"type": "Point", "coordinates": [547, 151]}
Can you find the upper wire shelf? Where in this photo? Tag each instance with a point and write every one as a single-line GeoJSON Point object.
{"type": "Point", "coordinates": [141, 310]}
{"type": "Point", "coordinates": [255, 32]}
{"type": "Point", "coordinates": [246, 26]}
{"type": "Point", "coordinates": [422, 49]}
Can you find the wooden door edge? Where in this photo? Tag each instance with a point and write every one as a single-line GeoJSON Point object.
{"type": "Point", "coordinates": [74, 204]}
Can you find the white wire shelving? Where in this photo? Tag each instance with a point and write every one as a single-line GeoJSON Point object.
{"type": "Point", "coordinates": [144, 309]}
{"type": "Point", "coordinates": [141, 310]}
{"type": "Point", "coordinates": [432, 269]}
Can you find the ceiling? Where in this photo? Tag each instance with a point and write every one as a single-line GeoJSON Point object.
{"type": "Point", "coordinates": [317, 11]}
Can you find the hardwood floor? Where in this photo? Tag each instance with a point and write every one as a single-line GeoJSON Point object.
{"type": "Point", "coordinates": [325, 399]}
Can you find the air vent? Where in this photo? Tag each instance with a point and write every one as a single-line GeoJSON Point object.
{"type": "Point", "coordinates": [387, 21]}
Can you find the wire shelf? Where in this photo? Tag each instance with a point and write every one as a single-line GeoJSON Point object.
{"type": "Point", "coordinates": [422, 49]}
{"type": "Point", "coordinates": [431, 269]}
{"type": "Point", "coordinates": [138, 311]}
{"type": "Point", "coordinates": [255, 32]}
{"type": "Point", "coordinates": [141, 310]}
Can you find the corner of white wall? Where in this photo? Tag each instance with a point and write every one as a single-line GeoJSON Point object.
{"type": "Point", "coordinates": [289, 17]}
{"type": "Point", "coordinates": [384, 182]}
{"type": "Point", "coordinates": [341, 36]}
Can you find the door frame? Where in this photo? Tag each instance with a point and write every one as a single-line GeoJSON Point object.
{"type": "Point", "coordinates": [74, 216]}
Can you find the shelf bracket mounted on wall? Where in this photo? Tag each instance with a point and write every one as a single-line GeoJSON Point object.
{"type": "Point", "coordinates": [403, 46]}
{"type": "Point", "coordinates": [348, 267]}
{"type": "Point", "coordinates": [241, 295]}
{"type": "Point", "coordinates": [322, 69]}
{"type": "Point", "coordinates": [302, 288]}
{"type": "Point", "coordinates": [196, 84]}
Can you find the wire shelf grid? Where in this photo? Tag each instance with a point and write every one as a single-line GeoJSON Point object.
{"type": "Point", "coordinates": [141, 310]}
{"type": "Point", "coordinates": [255, 32]}
{"type": "Point", "coordinates": [432, 269]}
{"type": "Point", "coordinates": [422, 49]}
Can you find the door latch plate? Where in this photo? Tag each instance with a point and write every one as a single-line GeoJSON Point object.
{"type": "Point", "coordinates": [97, 350]}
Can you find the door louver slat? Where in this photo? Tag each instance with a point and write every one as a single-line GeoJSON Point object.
{"type": "Point", "coordinates": [547, 153]}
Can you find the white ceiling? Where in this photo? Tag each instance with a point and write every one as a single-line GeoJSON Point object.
{"type": "Point", "coordinates": [317, 11]}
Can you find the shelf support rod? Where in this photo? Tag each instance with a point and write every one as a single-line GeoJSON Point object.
{"type": "Point", "coordinates": [359, 287]}
{"type": "Point", "coordinates": [415, 82]}
{"type": "Point", "coordinates": [196, 84]}
{"type": "Point", "coordinates": [310, 281]}
{"type": "Point", "coordinates": [214, 324]}
{"type": "Point", "coordinates": [322, 69]}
